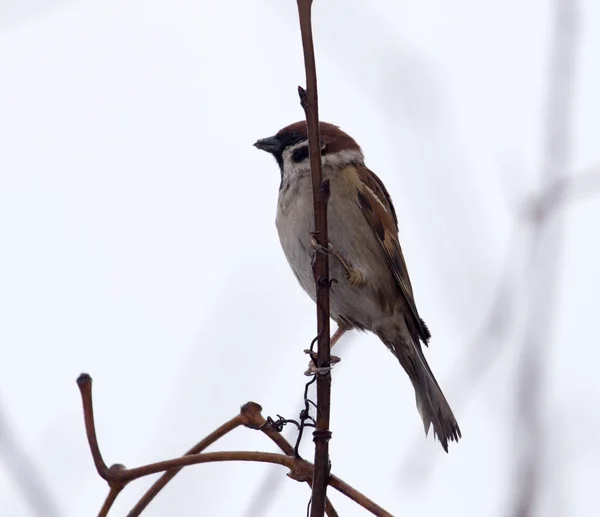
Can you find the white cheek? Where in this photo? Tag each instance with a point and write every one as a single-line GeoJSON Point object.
{"type": "Point", "coordinates": [293, 170]}
{"type": "Point", "coordinates": [343, 158]}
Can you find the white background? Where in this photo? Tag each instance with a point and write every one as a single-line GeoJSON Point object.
{"type": "Point", "coordinates": [137, 243]}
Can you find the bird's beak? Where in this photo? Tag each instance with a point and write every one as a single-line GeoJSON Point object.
{"type": "Point", "coordinates": [270, 144]}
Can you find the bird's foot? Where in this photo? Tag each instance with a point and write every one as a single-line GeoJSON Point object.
{"type": "Point", "coordinates": [313, 369]}
{"type": "Point", "coordinates": [318, 247]}
{"type": "Point", "coordinates": [353, 275]}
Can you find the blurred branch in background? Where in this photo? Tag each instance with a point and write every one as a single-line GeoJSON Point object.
{"type": "Point", "coordinates": [544, 263]}
{"type": "Point", "coordinates": [564, 190]}
{"type": "Point", "coordinates": [540, 224]}
{"type": "Point", "coordinates": [23, 473]}
{"type": "Point", "coordinates": [492, 339]}
{"type": "Point", "coordinates": [478, 356]}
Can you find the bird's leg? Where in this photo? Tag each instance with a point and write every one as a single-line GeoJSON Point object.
{"type": "Point", "coordinates": [312, 366]}
{"type": "Point", "coordinates": [354, 276]}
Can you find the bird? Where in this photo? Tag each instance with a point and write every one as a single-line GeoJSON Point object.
{"type": "Point", "coordinates": [371, 290]}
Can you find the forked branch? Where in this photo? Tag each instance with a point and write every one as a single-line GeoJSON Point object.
{"type": "Point", "coordinates": [250, 416]}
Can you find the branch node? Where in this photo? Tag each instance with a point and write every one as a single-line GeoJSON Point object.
{"type": "Point", "coordinates": [321, 435]}
{"type": "Point", "coordinates": [301, 471]}
{"type": "Point", "coordinates": [315, 356]}
{"type": "Point", "coordinates": [251, 413]}
{"type": "Point", "coordinates": [303, 96]}
{"type": "Point", "coordinates": [118, 476]}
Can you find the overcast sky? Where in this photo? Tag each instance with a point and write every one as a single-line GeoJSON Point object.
{"type": "Point", "coordinates": [137, 243]}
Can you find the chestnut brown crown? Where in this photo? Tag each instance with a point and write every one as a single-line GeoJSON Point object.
{"type": "Point", "coordinates": [333, 140]}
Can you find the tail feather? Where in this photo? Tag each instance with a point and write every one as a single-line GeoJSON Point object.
{"type": "Point", "coordinates": [431, 402]}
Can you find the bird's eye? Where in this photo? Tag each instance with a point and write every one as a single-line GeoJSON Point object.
{"type": "Point", "coordinates": [295, 138]}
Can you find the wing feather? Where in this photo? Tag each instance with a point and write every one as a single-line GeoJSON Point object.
{"type": "Point", "coordinates": [377, 208]}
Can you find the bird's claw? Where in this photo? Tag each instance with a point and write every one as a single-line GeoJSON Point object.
{"type": "Point", "coordinates": [313, 369]}
{"type": "Point", "coordinates": [353, 275]}
{"type": "Point", "coordinates": [318, 247]}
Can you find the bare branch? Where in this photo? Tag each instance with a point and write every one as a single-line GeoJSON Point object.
{"type": "Point", "coordinates": [118, 476]}
{"type": "Point", "coordinates": [300, 470]}
{"type": "Point", "coordinates": [286, 447]}
{"type": "Point", "coordinates": [161, 482]}
{"type": "Point", "coordinates": [84, 381]}
{"type": "Point", "coordinates": [320, 191]}
{"type": "Point", "coordinates": [357, 497]}
{"type": "Point", "coordinates": [110, 500]}
{"type": "Point", "coordinates": [267, 490]}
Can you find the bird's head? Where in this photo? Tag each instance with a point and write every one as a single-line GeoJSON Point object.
{"type": "Point", "coordinates": [290, 148]}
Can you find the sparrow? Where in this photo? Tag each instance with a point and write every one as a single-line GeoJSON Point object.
{"type": "Point", "coordinates": [372, 290]}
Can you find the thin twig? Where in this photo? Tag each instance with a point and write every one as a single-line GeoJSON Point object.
{"type": "Point", "coordinates": [357, 497]}
{"type": "Point", "coordinates": [161, 482]}
{"type": "Point", "coordinates": [84, 381]}
{"type": "Point", "coordinates": [110, 500]}
{"type": "Point", "coordinates": [250, 416]}
{"type": "Point", "coordinates": [320, 191]}
{"type": "Point", "coordinates": [300, 470]}
{"type": "Point", "coordinates": [287, 448]}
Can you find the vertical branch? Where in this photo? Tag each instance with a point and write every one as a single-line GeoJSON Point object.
{"type": "Point", "coordinates": [320, 190]}
{"type": "Point", "coordinates": [544, 257]}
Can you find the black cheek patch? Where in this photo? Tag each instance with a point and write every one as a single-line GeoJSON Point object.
{"type": "Point", "coordinates": [300, 154]}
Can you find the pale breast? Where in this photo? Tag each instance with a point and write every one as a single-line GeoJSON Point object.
{"type": "Point", "coordinates": [295, 223]}
{"type": "Point", "coordinates": [351, 237]}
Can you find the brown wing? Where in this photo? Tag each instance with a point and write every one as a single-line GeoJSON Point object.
{"type": "Point", "coordinates": [376, 205]}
